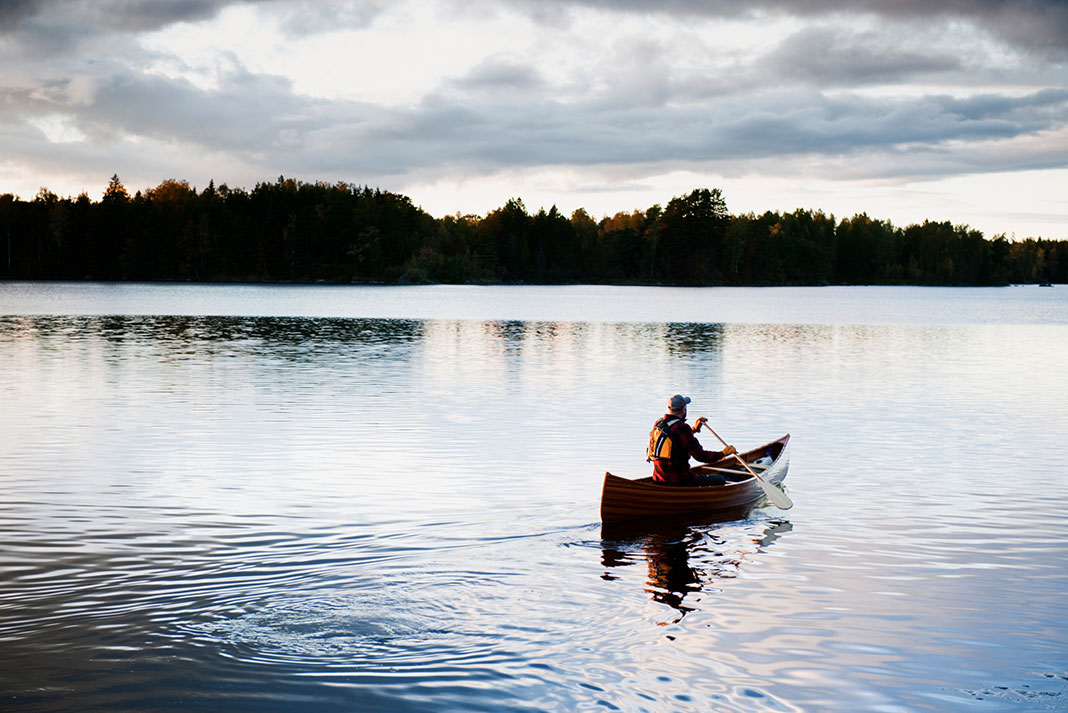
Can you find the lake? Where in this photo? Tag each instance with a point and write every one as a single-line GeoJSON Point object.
{"type": "Point", "coordinates": [372, 498]}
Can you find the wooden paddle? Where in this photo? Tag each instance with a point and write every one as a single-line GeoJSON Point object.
{"type": "Point", "coordinates": [775, 495]}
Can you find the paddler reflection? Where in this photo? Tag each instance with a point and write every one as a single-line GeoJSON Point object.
{"type": "Point", "coordinates": [683, 561]}
{"type": "Point", "coordinates": [671, 578]}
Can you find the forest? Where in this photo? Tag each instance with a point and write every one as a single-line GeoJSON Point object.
{"type": "Point", "coordinates": [293, 231]}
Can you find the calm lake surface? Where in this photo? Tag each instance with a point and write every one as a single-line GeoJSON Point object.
{"type": "Point", "coordinates": [303, 498]}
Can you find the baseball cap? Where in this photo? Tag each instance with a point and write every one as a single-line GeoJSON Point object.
{"type": "Point", "coordinates": [678, 402]}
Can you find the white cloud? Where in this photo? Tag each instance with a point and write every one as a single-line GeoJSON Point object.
{"type": "Point", "coordinates": [58, 129]}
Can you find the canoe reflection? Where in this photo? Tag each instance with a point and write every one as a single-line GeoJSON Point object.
{"type": "Point", "coordinates": [683, 559]}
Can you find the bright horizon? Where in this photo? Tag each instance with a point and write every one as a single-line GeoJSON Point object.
{"type": "Point", "coordinates": [906, 112]}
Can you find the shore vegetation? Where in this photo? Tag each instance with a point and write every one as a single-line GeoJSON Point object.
{"type": "Point", "coordinates": [293, 231]}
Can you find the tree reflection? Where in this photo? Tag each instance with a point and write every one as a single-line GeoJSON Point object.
{"type": "Point", "coordinates": [684, 559]}
{"type": "Point", "coordinates": [286, 337]}
{"type": "Point", "coordinates": [692, 339]}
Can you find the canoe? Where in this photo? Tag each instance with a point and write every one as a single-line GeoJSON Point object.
{"type": "Point", "coordinates": [623, 498]}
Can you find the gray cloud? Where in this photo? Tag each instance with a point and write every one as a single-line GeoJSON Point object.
{"type": "Point", "coordinates": [1033, 24]}
{"type": "Point", "coordinates": [148, 15]}
{"type": "Point", "coordinates": [12, 12]}
{"type": "Point", "coordinates": [497, 73]}
{"type": "Point", "coordinates": [314, 16]}
{"type": "Point", "coordinates": [136, 16]}
{"type": "Point", "coordinates": [1037, 25]}
{"type": "Point", "coordinates": [123, 15]}
{"type": "Point", "coordinates": [834, 58]}
{"type": "Point", "coordinates": [247, 113]}
{"type": "Point", "coordinates": [799, 123]}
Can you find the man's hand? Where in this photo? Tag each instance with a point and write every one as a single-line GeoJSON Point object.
{"type": "Point", "coordinates": [729, 451]}
{"type": "Point", "coordinates": [700, 422]}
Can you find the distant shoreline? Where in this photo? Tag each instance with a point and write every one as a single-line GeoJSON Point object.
{"type": "Point", "coordinates": [326, 283]}
{"type": "Point", "coordinates": [290, 232]}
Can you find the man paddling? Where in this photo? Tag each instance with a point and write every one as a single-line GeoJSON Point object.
{"type": "Point", "coordinates": [672, 444]}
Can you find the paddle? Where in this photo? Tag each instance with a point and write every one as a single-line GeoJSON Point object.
{"type": "Point", "coordinates": [775, 495]}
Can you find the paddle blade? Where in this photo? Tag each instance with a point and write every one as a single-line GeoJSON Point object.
{"type": "Point", "coordinates": [780, 499]}
{"type": "Point", "coordinates": [777, 497]}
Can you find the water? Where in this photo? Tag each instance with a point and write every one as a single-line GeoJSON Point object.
{"type": "Point", "coordinates": [371, 498]}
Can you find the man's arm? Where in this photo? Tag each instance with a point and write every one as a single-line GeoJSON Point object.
{"type": "Point", "coordinates": [688, 441]}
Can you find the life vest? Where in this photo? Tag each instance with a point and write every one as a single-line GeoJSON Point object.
{"type": "Point", "coordinates": [659, 440]}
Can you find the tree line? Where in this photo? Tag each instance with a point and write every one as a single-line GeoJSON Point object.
{"type": "Point", "coordinates": [290, 230]}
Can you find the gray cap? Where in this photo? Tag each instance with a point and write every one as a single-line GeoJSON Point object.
{"type": "Point", "coordinates": [678, 402]}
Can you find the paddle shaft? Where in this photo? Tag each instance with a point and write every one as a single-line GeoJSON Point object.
{"type": "Point", "coordinates": [778, 497]}
{"type": "Point", "coordinates": [740, 459]}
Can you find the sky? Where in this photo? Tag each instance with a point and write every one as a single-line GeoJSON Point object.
{"type": "Point", "coordinates": [904, 110]}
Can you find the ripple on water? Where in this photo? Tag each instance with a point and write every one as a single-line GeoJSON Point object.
{"type": "Point", "coordinates": [1050, 692]}
{"type": "Point", "coordinates": [376, 626]}
{"type": "Point", "coordinates": [339, 628]}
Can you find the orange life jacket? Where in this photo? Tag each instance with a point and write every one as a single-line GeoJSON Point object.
{"type": "Point", "coordinates": [660, 440]}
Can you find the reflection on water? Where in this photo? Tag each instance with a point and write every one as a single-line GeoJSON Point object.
{"type": "Point", "coordinates": [336, 512]}
{"type": "Point", "coordinates": [682, 559]}
{"type": "Point", "coordinates": [689, 339]}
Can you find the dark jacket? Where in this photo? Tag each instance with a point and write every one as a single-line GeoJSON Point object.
{"type": "Point", "coordinates": [684, 445]}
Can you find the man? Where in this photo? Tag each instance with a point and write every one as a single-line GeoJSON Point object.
{"type": "Point", "coordinates": [672, 444]}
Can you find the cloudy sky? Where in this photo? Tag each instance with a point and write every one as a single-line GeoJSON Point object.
{"type": "Point", "coordinates": [907, 110]}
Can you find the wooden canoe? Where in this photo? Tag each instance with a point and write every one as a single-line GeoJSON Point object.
{"type": "Point", "coordinates": [623, 499]}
